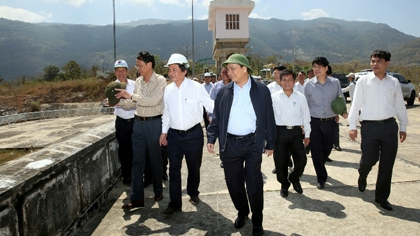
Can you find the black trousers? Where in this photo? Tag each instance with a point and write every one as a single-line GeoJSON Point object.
{"type": "Point", "coordinates": [322, 139]}
{"type": "Point", "coordinates": [123, 132]}
{"type": "Point", "coordinates": [337, 136]}
{"type": "Point", "coordinates": [242, 165]}
{"type": "Point", "coordinates": [379, 142]}
{"type": "Point", "coordinates": [191, 145]}
{"type": "Point", "coordinates": [289, 140]}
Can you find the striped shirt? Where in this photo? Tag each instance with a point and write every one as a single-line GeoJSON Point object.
{"type": "Point", "coordinates": [147, 96]}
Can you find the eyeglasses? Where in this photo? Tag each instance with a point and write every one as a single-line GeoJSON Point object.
{"type": "Point", "coordinates": [139, 66]}
{"type": "Point", "coordinates": [316, 67]}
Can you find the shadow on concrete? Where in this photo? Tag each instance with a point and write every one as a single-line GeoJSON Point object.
{"type": "Point", "coordinates": [103, 210]}
{"type": "Point", "coordinates": [204, 221]}
{"type": "Point", "coordinates": [330, 208]}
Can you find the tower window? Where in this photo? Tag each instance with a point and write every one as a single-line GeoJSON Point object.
{"type": "Point", "coordinates": [232, 21]}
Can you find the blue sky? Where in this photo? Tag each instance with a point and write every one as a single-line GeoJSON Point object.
{"type": "Point", "coordinates": [402, 15]}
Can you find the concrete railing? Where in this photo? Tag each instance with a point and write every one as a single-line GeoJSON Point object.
{"type": "Point", "coordinates": [55, 190]}
{"type": "Point", "coordinates": [48, 114]}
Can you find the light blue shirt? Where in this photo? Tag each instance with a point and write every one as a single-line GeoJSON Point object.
{"type": "Point", "coordinates": [320, 96]}
{"type": "Point", "coordinates": [208, 87]}
{"type": "Point", "coordinates": [242, 119]}
{"type": "Point", "coordinates": [216, 87]}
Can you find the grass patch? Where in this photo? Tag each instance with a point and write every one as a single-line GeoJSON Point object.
{"type": "Point", "coordinates": [11, 154]}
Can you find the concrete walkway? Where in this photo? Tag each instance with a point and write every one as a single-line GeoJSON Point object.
{"type": "Point", "coordinates": [339, 209]}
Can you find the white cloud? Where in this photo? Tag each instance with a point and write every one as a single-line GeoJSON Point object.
{"type": "Point", "coordinates": [203, 17]}
{"type": "Point", "coordinates": [23, 15]}
{"type": "Point", "coordinates": [205, 3]}
{"type": "Point", "coordinates": [142, 2]}
{"type": "Point", "coordinates": [76, 3]}
{"type": "Point", "coordinates": [314, 13]}
{"type": "Point", "coordinates": [256, 16]}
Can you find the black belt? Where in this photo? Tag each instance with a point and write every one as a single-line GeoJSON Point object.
{"type": "Point", "coordinates": [290, 127]}
{"type": "Point", "coordinates": [379, 121]}
{"type": "Point", "coordinates": [128, 120]}
{"type": "Point", "coordinates": [147, 118]}
{"type": "Point", "coordinates": [188, 130]}
{"type": "Point", "coordinates": [240, 136]}
{"type": "Point", "coordinates": [323, 119]}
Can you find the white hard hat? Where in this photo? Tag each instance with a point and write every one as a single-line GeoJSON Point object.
{"type": "Point", "coordinates": [177, 58]}
{"type": "Point", "coordinates": [120, 63]}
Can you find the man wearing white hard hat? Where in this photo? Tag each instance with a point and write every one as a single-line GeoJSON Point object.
{"type": "Point", "coordinates": [124, 123]}
{"type": "Point", "coordinates": [181, 130]}
{"type": "Point", "coordinates": [208, 86]}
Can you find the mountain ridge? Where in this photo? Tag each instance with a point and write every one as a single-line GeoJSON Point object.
{"type": "Point", "coordinates": [44, 44]}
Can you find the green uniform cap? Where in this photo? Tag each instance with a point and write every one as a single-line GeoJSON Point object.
{"type": "Point", "coordinates": [238, 59]}
{"type": "Point", "coordinates": [338, 106]}
{"type": "Point", "coordinates": [110, 92]}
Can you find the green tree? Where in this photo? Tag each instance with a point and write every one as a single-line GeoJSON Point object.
{"type": "Point", "coordinates": [51, 72]}
{"type": "Point", "coordinates": [94, 71]}
{"type": "Point", "coordinates": [72, 70]}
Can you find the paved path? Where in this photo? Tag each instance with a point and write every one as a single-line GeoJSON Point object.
{"type": "Point", "coordinates": [339, 209]}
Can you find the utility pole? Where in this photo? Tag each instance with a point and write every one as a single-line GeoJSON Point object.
{"type": "Point", "coordinates": [192, 23]}
{"type": "Point", "coordinates": [115, 40]}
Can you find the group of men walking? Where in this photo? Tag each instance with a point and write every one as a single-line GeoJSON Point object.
{"type": "Point", "coordinates": [248, 120]}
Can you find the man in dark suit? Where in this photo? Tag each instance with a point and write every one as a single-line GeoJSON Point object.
{"type": "Point", "coordinates": [243, 120]}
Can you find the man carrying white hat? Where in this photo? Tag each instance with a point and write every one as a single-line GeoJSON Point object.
{"type": "Point", "coordinates": [181, 130]}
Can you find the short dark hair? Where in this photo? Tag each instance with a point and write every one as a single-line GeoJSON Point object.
{"type": "Point", "coordinates": [287, 72]}
{"type": "Point", "coordinates": [279, 68]}
{"type": "Point", "coordinates": [301, 71]}
{"type": "Point", "coordinates": [329, 71]}
{"type": "Point", "coordinates": [182, 67]}
{"type": "Point", "coordinates": [146, 57]}
{"type": "Point", "coordinates": [320, 61]}
{"type": "Point", "coordinates": [378, 53]}
{"type": "Point", "coordinates": [309, 70]}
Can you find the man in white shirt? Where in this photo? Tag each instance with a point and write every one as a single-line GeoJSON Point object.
{"type": "Point", "coordinates": [379, 99]}
{"type": "Point", "coordinates": [275, 85]}
{"type": "Point", "coordinates": [181, 130]}
{"type": "Point", "coordinates": [124, 123]}
{"type": "Point", "coordinates": [301, 81]}
{"type": "Point", "coordinates": [352, 85]}
{"type": "Point", "coordinates": [291, 112]}
{"type": "Point", "coordinates": [208, 85]}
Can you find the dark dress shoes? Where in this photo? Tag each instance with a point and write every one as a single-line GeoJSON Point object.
{"type": "Point", "coordinates": [221, 164]}
{"type": "Point", "coordinates": [362, 184]}
{"type": "Point", "coordinates": [194, 200]}
{"type": "Point", "coordinates": [274, 171]}
{"type": "Point", "coordinates": [165, 176]}
{"type": "Point", "coordinates": [385, 204]}
{"type": "Point", "coordinates": [171, 210]}
{"type": "Point", "coordinates": [320, 185]}
{"type": "Point", "coordinates": [297, 187]}
{"type": "Point", "coordinates": [328, 159]}
{"type": "Point", "coordinates": [158, 198]}
{"type": "Point", "coordinates": [284, 192]}
{"type": "Point", "coordinates": [258, 231]}
{"type": "Point", "coordinates": [338, 148]}
{"type": "Point", "coordinates": [240, 221]}
{"type": "Point", "coordinates": [133, 204]}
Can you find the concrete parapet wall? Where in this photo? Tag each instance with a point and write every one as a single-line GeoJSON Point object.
{"type": "Point", "coordinates": [22, 117]}
{"type": "Point", "coordinates": [55, 190]}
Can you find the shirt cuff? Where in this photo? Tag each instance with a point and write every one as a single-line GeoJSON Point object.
{"type": "Point", "coordinates": [352, 126]}
{"type": "Point", "coordinates": [403, 128]}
